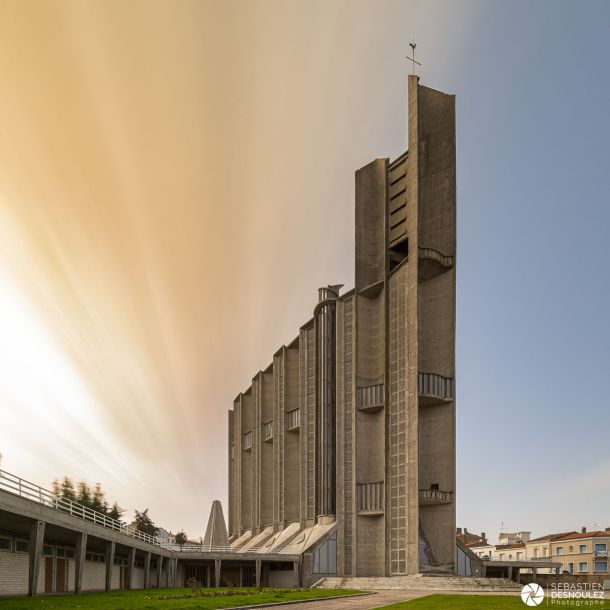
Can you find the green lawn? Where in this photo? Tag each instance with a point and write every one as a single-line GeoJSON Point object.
{"type": "Point", "coordinates": [461, 602]}
{"type": "Point", "coordinates": [209, 599]}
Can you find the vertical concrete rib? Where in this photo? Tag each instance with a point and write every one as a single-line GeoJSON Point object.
{"type": "Point", "coordinates": [79, 561]}
{"type": "Point", "coordinates": [110, 550]}
{"type": "Point", "coordinates": [35, 551]}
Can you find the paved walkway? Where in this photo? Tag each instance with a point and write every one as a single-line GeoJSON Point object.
{"type": "Point", "coordinates": [366, 602]}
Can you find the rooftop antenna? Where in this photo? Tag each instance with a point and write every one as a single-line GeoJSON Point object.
{"type": "Point", "coordinates": [412, 58]}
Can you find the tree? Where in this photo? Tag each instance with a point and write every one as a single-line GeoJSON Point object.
{"type": "Point", "coordinates": [181, 538]}
{"type": "Point", "coordinates": [116, 512]}
{"type": "Point", "coordinates": [144, 523]}
{"type": "Point", "coordinates": [98, 500]}
{"type": "Point", "coordinates": [67, 489]}
{"type": "Point", "coordinates": [84, 494]}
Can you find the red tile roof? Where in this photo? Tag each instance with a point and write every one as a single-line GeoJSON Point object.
{"type": "Point", "coordinates": [551, 537]}
{"type": "Point", "coordinates": [574, 536]}
{"type": "Point", "coordinates": [516, 545]}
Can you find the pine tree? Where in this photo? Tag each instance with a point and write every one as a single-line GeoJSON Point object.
{"type": "Point", "coordinates": [181, 538]}
{"type": "Point", "coordinates": [84, 494]}
{"type": "Point", "coordinates": [116, 512]}
{"type": "Point", "coordinates": [144, 523]}
{"type": "Point", "coordinates": [98, 500]}
{"type": "Point", "coordinates": [67, 489]}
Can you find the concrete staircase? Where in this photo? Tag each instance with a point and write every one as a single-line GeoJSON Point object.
{"type": "Point", "coordinates": [419, 582]}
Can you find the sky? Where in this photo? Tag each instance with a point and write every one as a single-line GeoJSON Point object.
{"type": "Point", "coordinates": [177, 180]}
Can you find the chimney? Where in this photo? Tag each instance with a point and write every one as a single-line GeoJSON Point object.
{"type": "Point", "coordinates": [465, 530]}
{"type": "Point", "coordinates": [459, 531]}
{"type": "Point", "coordinates": [607, 529]}
{"type": "Point", "coordinates": [483, 537]}
{"type": "Point", "coordinates": [583, 530]}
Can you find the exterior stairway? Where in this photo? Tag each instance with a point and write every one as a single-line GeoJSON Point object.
{"type": "Point", "coordinates": [419, 582]}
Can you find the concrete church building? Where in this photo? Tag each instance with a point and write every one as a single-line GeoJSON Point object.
{"type": "Point", "coordinates": [342, 450]}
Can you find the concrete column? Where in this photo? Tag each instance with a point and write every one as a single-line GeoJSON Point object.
{"type": "Point", "coordinates": [159, 570]}
{"type": "Point", "coordinates": [207, 576]}
{"type": "Point", "coordinates": [241, 576]}
{"type": "Point", "coordinates": [147, 570]}
{"type": "Point", "coordinates": [175, 571]}
{"type": "Point", "coordinates": [217, 568]}
{"type": "Point", "coordinates": [131, 559]}
{"type": "Point", "coordinates": [79, 561]}
{"type": "Point", "coordinates": [297, 576]}
{"type": "Point", "coordinates": [534, 574]}
{"type": "Point", "coordinates": [54, 571]}
{"type": "Point", "coordinates": [35, 548]}
{"type": "Point", "coordinates": [510, 572]}
{"type": "Point", "coordinates": [258, 573]}
{"type": "Point", "coordinates": [110, 549]}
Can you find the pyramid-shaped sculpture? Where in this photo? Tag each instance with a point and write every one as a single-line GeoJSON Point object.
{"type": "Point", "coordinates": [216, 532]}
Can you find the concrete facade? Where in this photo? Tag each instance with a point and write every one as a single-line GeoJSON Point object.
{"type": "Point", "coordinates": [343, 448]}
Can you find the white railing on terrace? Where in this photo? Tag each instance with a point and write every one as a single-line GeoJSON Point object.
{"type": "Point", "coordinates": [206, 548]}
{"type": "Point", "coordinates": [20, 487]}
{"type": "Point", "coordinates": [25, 489]}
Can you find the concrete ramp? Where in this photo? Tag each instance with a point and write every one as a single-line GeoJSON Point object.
{"type": "Point", "coordinates": [280, 539]}
{"type": "Point", "coordinates": [309, 536]}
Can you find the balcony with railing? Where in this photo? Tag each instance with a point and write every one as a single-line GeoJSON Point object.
{"type": "Point", "coordinates": [268, 431]}
{"type": "Point", "coordinates": [370, 498]}
{"type": "Point", "coordinates": [432, 263]}
{"type": "Point", "coordinates": [435, 389]}
{"type": "Point", "coordinates": [293, 420]}
{"type": "Point", "coordinates": [247, 441]}
{"type": "Point", "coordinates": [434, 496]}
{"type": "Point", "coordinates": [370, 398]}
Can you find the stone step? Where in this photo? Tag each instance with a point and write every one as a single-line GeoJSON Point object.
{"type": "Point", "coordinates": [422, 583]}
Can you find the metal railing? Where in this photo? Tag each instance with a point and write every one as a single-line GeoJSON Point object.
{"type": "Point", "coordinates": [435, 496]}
{"type": "Point", "coordinates": [25, 489]}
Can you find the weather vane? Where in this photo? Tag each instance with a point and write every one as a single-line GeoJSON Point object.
{"type": "Point", "coordinates": [412, 58]}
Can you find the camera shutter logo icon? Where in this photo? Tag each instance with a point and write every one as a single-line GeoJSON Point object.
{"type": "Point", "coordinates": [532, 594]}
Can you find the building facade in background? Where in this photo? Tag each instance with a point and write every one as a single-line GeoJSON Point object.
{"type": "Point", "coordinates": [343, 447]}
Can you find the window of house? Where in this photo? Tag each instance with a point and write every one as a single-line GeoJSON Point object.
{"type": "Point", "coordinates": [559, 550]}
{"type": "Point", "coordinates": [571, 548]}
{"type": "Point", "coordinates": [583, 566]}
{"type": "Point", "coordinates": [5, 543]}
{"type": "Point", "coordinates": [61, 552]}
{"type": "Point", "coordinates": [536, 552]}
{"type": "Point", "coordinates": [69, 553]}
{"type": "Point", "coordinates": [600, 547]}
{"type": "Point", "coordinates": [519, 555]}
{"type": "Point", "coordinates": [582, 548]}
{"type": "Point", "coordinates": [600, 566]}
{"type": "Point", "coordinates": [22, 546]}
{"type": "Point", "coordinates": [47, 550]}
